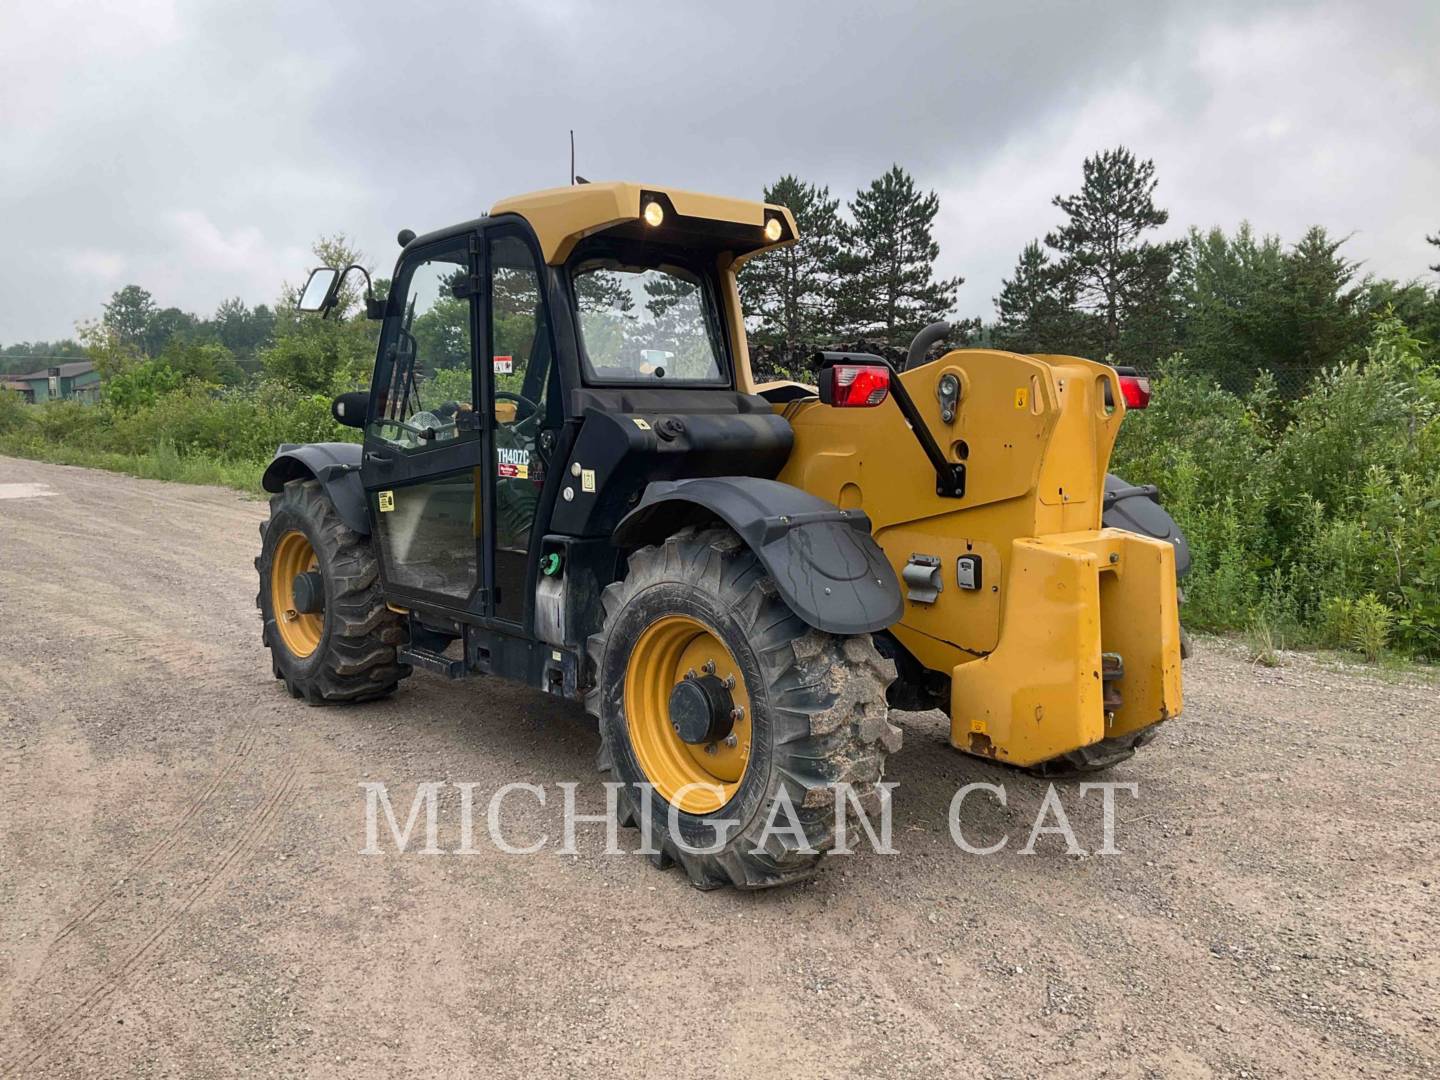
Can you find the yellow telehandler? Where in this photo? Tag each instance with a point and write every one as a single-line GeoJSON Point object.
{"type": "Point", "coordinates": [569, 476]}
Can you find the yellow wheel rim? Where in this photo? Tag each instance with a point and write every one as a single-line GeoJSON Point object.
{"type": "Point", "coordinates": [696, 779]}
{"type": "Point", "coordinates": [300, 631]}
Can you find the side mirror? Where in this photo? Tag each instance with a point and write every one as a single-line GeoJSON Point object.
{"type": "Point", "coordinates": [320, 289]}
{"type": "Point", "coordinates": [349, 409]}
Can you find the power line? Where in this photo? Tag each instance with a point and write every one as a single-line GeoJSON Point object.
{"type": "Point", "coordinates": [36, 356]}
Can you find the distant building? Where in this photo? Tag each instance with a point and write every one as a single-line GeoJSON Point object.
{"type": "Point", "coordinates": [78, 381]}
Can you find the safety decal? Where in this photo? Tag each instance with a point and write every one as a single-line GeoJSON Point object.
{"type": "Point", "coordinates": [387, 501]}
{"type": "Point", "coordinates": [641, 423]}
{"type": "Point", "coordinates": [1022, 397]}
{"type": "Point", "coordinates": [504, 365]}
{"type": "Point", "coordinates": [587, 480]}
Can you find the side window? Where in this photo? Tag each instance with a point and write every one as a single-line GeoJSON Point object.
{"type": "Point", "coordinates": [521, 361]}
{"type": "Point", "coordinates": [426, 371]}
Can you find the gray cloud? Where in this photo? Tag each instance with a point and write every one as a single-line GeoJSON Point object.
{"type": "Point", "coordinates": [197, 148]}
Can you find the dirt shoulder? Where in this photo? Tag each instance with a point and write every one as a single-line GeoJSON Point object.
{"type": "Point", "coordinates": [182, 890]}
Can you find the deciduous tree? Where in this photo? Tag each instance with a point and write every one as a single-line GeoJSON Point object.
{"type": "Point", "coordinates": [127, 315]}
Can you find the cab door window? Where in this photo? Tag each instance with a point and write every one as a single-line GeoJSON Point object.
{"type": "Point", "coordinates": [423, 458]}
{"type": "Point", "coordinates": [426, 376]}
{"type": "Point", "coordinates": [522, 368]}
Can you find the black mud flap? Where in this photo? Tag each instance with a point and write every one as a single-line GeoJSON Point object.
{"type": "Point", "coordinates": [824, 561]}
{"type": "Point", "coordinates": [1137, 509]}
{"type": "Point", "coordinates": [335, 465]}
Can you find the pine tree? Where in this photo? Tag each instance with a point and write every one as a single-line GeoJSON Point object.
{"type": "Point", "coordinates": [1153, 312]}
{"type": "Point", "coordinates": [888, 261]}
{"type": "Point", "coordinates": [791, 291]}
{"type": "Point", "coordinates": [1034, 310]}
{"type": "Point", "coordinates": [1231, 297]}
{"type": "Point", "coordinates": [1322, 307]}
{"type": "Point", "coordinates": [1102, 258]}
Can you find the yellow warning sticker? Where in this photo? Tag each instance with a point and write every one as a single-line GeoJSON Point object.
{"type": "Point", "coordinates": [387, 501]}
{"type": "Point", "coordinates": [978, 726]}
{"type": "Point", "coordinates": [1022, 397]}
{"type": "Point", "coordinates": [641, 423]}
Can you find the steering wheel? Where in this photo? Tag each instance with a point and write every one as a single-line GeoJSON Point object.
{"type": "Point", "coordinates": [418, 432]}
{"type": "Point", "coordinates": [520, 399]}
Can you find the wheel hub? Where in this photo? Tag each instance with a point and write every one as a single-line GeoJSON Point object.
{"type": "Point", "coordinates": [687, 711]}
{"type": "Point", "coordinates": [296, 585]}
{"type": "Point", "coordinates": [701, 710]}
{"type": "Point", "coordinates": [309, 591]}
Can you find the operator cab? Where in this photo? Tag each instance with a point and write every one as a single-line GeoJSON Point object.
{"type": "Point", "coordinates": [537, 368]}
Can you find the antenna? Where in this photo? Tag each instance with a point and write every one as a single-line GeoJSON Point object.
{"type": "Point", "coordinates": [572, 157]}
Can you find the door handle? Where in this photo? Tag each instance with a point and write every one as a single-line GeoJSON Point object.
{"type": "Point", "coordinates": [373, 457]}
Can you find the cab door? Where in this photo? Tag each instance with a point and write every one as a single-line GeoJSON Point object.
{"type": "Point", "coordinates": [526, 411]}
{"type": "Point", "coordinates": [424, 445]}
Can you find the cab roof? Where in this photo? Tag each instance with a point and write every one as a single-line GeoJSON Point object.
{"type": "Point", "coordinates": [561, 217]}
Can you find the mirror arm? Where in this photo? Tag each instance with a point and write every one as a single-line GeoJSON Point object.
{"type": "Point", "coordinates": [374, 307]}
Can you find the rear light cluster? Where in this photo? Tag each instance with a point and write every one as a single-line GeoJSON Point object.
{"type": "Point", "coordinates": [1136, 391]}
{"type": "Point", "coordinates": [854, 386]}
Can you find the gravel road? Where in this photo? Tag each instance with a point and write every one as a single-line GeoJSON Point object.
{"type": "Point", "coordinates": [182, 891]}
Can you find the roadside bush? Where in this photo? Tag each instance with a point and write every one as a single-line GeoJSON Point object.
{"type": "Point", "coordinates": [235, 430]}
{"type": "Point", "coordinates": [230, 426]}
{"type": "Point", "coordinates": [1318, 520]}
{"type": "Point", "coordinates": [139, 384]}
{"type": "Point", "coordinates": [14, 413]}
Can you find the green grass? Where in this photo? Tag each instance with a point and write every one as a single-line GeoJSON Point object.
{"type": "Point", "coordinates": [1391, 667]}
{"type": "Point", "coordinates": [161, 463]}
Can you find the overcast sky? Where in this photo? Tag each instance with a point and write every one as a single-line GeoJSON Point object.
{"type": "Point", "coordinates": [197, 147]}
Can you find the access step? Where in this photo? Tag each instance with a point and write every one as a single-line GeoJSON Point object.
{"type": "Point", "coordinates": [432, 661]}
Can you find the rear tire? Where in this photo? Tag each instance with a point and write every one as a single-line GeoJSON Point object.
{"type": "Point", "coordinates": [816, 712]}
{"type": "Point", "coordinates": [348, 651]}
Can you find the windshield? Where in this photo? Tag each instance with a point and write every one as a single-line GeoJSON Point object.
{"type": "Point", "coordinates": [642, 324]}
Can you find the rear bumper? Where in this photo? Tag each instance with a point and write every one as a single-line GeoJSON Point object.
{"type": "Point", "coordinates": [1069, 598]}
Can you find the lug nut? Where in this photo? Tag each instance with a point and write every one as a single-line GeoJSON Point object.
{"type": "Point", "coordinates": [709, 667]}
{"type": "Point", "coordinates": [731, 741]}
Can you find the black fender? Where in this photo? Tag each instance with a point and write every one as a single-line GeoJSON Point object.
{"type": "Point", "coordinates": [823, 559]}
{"type": "Point", "coordinates": [1138, 510]}
{"type": "Point", "coordinates": [336, 465]}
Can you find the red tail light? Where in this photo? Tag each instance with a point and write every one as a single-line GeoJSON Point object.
{"type": "Point", "coordinates": [1136, 390]}
{"type": "Point", "coordinates": [854, 386]}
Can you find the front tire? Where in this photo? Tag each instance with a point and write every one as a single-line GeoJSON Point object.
{"type": "Point", "coordinates": [331, 638]}
{"type": "Point", "coordinates": [808, 711]}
